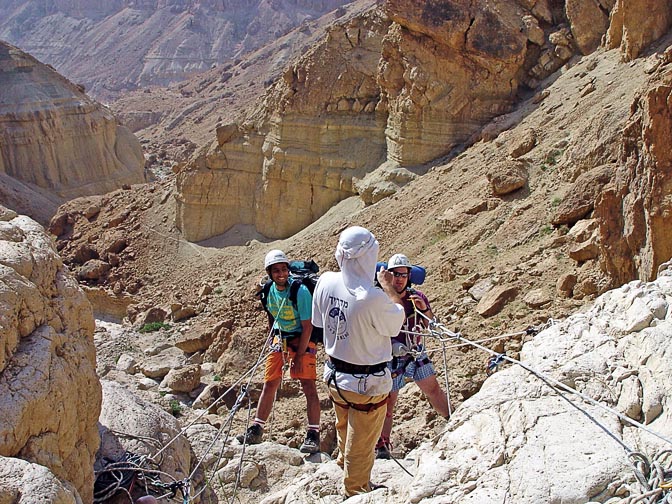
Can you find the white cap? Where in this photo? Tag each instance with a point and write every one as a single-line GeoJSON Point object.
{"type": "Point", "coordinates": [275, 257]}
{"type": "Point", "coordinates": [398, 261]}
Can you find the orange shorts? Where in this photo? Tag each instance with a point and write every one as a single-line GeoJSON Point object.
{"type": "Point", "coordinates": [276, 360]}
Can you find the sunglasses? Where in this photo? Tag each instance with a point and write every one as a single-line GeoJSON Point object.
{"type": "Point", "coordinates": [396, 274]}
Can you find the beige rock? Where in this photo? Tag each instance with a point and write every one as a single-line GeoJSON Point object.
{"type": "Point", "coordinates": [93, 270]}
{"type": "Point", "coordinates": [495, 299]}
{"type": "Point", "coordinates": [584, 251]}
{"type": "Point", "coordinates": [480, 288]}
{"type": "Point", "coordinates": [152, 315]}
{"type": "Point", "coordinates": [22, 482]}
{"type": "Point", "coordinates": [579, 201]}
{"type": "Point", "coordinates": [123, 412]}
{"type": "Point", "coordinates": [566, 284]}
{"type": "Point", "coordinates": [507, 176]}
{"type": "Point", "coordinates": [632, 245]}
{"type": "Point", "coordinates": [536, 298]}
{"type": "Point", "coordinates": [523, 144]}
{"type": "Point", "coordinates": [588, 23]}
{"type": "Point", "coordinates": [196, 340]}
{"type": "Point", "coordinates": [184, 379]}
{"type": "Point", "coordinates": [47, 330]}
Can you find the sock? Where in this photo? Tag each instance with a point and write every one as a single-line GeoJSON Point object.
{"type": "Point", "coordinates": [261, 423]}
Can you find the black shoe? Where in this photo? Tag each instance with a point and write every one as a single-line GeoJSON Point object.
{"type": "Point", "coordinates": [253, 435]}
{"type": "Point", "coordinates": [383, 452]}
{"type": "Point", "coordinates": [312, 442]}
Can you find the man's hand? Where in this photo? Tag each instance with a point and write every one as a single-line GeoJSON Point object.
{"type": "Point", "coordinates": [297, 362]}
{"type": "Point", "coordinates": [386, 281]}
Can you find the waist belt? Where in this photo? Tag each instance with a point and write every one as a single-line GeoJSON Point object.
{"type": "Point", "coordinates": [287, 335]}
{"type": "Point", "coordinates": [346, 367]}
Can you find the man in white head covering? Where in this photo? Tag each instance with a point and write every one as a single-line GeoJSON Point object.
{"type": "Point", "coordinates": [359, 321]}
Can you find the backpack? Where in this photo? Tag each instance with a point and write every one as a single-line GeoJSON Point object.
{"type": "Point", "coordinates": [302, 273]}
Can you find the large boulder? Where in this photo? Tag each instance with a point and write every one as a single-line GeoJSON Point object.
{"type": "Point", "coordinates": [46, 353]}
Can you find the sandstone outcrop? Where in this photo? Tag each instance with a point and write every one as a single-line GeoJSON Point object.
{"type": "Point", "coordinates": [635, 24]}
{"type": "Point", "coordinates": [634, 211]}
{"type": "Point", "coordinates": [56, 143]}
{"type": "Point", "coordinates": [407, 83]}
{"type": "Point", "coordinates": [146, 430]}
{"type": "Point", "coordinates": [46, 352]}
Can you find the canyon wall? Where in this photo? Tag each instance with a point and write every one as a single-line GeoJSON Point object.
{"type": "Point", "coordinates": [634, 210]}
{"type": "Point", "coordinates": [46, 353]}
{"type": "Point", "coordinates": [111, 47]}
{"type": "Point", "coordinates": [390, 87]}
{"type": "Point", "coordinates": [56, 140]}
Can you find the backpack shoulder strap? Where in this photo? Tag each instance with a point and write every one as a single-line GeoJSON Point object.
{"type": "Point", "coordinates": [294, 293]}
{"type": "Point", "coordinates": [263, 294]}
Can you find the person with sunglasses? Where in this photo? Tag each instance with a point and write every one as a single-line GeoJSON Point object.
{"type": "Point", "coordinates": [410, 362]}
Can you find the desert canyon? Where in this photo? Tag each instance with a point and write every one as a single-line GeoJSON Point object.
{"type": "Point", "coordinates": [152, 152]}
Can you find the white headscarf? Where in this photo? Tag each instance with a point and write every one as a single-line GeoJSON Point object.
{"type": "Point", "coordinates": [356, 255]}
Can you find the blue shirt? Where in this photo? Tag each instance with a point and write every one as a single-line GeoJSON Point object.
{"type": "Point", "coordinates": [287, 318]}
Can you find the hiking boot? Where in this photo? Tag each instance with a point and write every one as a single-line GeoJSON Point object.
{"type": "Point", "coordinates": [253, 435]}
{"type": "Point", "coordinates": [312, 442]}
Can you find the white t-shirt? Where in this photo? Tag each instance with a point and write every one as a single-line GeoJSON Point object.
{"type": "Point", "coordinates": [357, 329]}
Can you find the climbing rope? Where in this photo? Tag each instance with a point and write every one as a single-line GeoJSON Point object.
{"type": "Point", "coordinates": [655, 480]}
{"type": "Point", "coordinates": [652, 476]}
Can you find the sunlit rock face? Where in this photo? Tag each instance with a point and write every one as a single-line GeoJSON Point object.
{"type": "Point", "coordinates": [55, 139]}
{"type": "Point", "coordinates": [50, 394]}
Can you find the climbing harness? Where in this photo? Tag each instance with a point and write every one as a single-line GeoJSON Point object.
{"type": "Point", "coordinates": [337, 365]}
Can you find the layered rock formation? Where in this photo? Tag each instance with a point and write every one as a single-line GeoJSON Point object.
{"type": "Point", "coordinates": [290, 168]}
{"type": "Point", "coordinates": [634, 210]}
{"type": "Point", "coordinates": [56, 143]}
{"type": "Point", "coordinates": [46, 353]}
{"type": "Point", "coordinates": [391, 88]}
{"type": "Point", "coordinates": [635, 24]}
{"type": "Point", "coordinates": [120, 45]}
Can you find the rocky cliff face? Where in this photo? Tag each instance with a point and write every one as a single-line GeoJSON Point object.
{"type": "Point", "coordinates": [55, 141]}
{"type": "Point", "coordinates": [46, 353]}
{"type": "Point", "coordinates": [634, 210]}
{"type": "Point", "coordinates": [326, 130]}
{"type": "Point", "coordinates": [124, 44]}
{"type": "Point", "coordinates": [394, 87]}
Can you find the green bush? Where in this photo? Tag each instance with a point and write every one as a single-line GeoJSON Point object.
{"type": "Point", "coordinates": [175, 407]}
{"type": "Point", "coordinates": [154, 326]}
